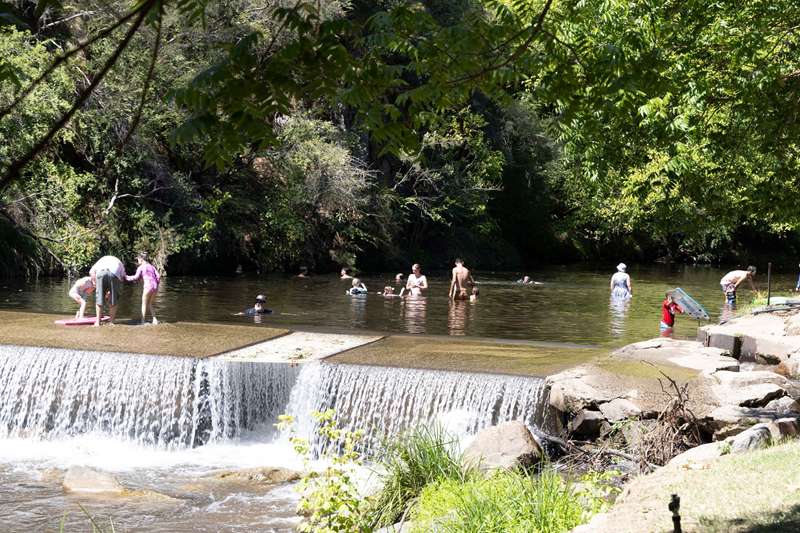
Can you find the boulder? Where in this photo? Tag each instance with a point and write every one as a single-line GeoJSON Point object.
{"type": "Point", "coordinates": [730, 420]}
{"type": "Point", "coordinates": [769, 349]}
{"type": "Point", "coordinates": [789, 367]}
{"type": "Point", "coordinates": [787, 428]}
{"type": "Point", "coordinates": [748, 389]}
{"type": "Point", "coordinates": [698, 454]}
{"type": "Point", "coordinates": [570, 392]}
{"type": "Point", "coordinates": [588, 425]}
{"type": "Point", "coordinates": [755, 438]}
{"type": "Point", "coordinates": [88, 480]}
{"type": "Point", "coordinates": [619, 409]}
{"type": "Point", "coordinates": [505, 446]}
{"type": "Point", "coordinates": [784, 405]}
{"type": "Point", "coordinates": [687, 354]}
{"type": "Point", "coordinates": [792, 324]}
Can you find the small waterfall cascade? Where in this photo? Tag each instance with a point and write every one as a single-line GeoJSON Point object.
{"type": "Point", "coordinates": [167, 402]}
{"type": "Point", "coordinates": [386, 401]}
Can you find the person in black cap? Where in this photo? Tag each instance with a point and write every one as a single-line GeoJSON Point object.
{"type": "Point", "coordinates": [258, 308]}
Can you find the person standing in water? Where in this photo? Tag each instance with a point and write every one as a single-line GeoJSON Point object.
{"type": "Point", "coordinates": [461, 282]}
{"type": "Point", "coordinates": [731, 281]}
{"type": "Point", "coordinates": [669, 308]}
{"type": "Point", "coordinates": [107, 274]}
{"type": "Point", "coordinates": [345, 274]}
{"type": "Point", "coordinates": [621, 283]}
{"type": "Point", "coordinates": [417, 282]}
{"type": "Point", "coordinates": [150, 281]}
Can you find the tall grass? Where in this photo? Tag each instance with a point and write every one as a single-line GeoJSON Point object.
{"type": "Point", "coordinates": [509, 502]}
{"type": "Point", "coordinates": [415, 460]}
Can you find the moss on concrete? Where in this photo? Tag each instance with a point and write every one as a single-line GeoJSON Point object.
{"type": "Point", "coordinates": [468, 355]}
{"type": "Point", "coordinates": [180, 339]}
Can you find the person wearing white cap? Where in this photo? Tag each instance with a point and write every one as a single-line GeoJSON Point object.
{"type": "Point", "coordinates": [258, 308]}
{"type": "Point", "coordinates": [621, 283]}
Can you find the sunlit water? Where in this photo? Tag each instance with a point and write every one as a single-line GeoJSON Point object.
{"type": "Point", "coordinates": [571, 306]}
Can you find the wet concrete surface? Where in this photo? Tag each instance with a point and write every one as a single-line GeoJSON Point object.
{"type": "Point", "coordinates": [178, 339]}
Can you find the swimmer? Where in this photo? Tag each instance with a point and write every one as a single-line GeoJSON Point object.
{"type": "Point", "coordinates": [388, 292]}
{"type": "Point", "coordinates": [303, 272]}
{"type": "Point", "coordinates": [474, 296]}
{"type": "Point", "coordinates": [258, 308]}
{"type": "Point", "coordinates": [345, 274]}
{"type": "Point", "coordinates": [357, 288]}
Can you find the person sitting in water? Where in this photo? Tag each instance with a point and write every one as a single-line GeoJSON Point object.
{"type": "Point", "coordinates": [731, 281]}
{"type": "Point", "coordinates": [525, 280]}
{"type": "Point", "coordinates": [417, 282]}
{"type": "Point", "coordinates": [668, 310]}
{"type": "Point", "coordinates": [461, 282]}
{"type": "Point", "coordinates": [303, 272]}
{"type": "Point", "coordinates": [474, 296]}
{"type": "Point", "coordinates": [621, 283]}
{"type": "Point", "coordinates": [81, 290]}
{"type": "Point", "coordinates": [345, 274]}
{"type": "Point", "coordinates": [388, 292]}
{"type": "Point", "coordinates": [357, 288]}
{"type": "Point", "coordinates": [258, 308]}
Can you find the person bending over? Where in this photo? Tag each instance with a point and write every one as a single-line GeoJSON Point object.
{"type": "Point", "coordinates": [81, 290]}
{"type": "Point", "coordinates": [731, 281]}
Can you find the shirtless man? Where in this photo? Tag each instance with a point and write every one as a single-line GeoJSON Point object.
{"type": "Point", "coordinates": [731, 281]}
{"type": "Point", "coordinates": [462, 282]}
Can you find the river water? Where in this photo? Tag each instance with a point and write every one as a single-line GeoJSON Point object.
{"type": "Point", "coordinates": [62, 409]}
{"type": "Point", "coordinates": [571, 305]}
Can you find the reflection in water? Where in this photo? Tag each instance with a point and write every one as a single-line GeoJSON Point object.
{"type": "Point", "coordinates": [414, 308]}
{"type": "Point", "coordinates": [728, 311]}
{"type": "Point", "coordinates": [618, 309]}
{"type": "Point", "coordinates": [358, 310]}
{"type": "Point", "coordinates": [457, 317]}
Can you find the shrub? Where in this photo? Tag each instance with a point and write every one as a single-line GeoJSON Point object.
{"type": "Point", "coordinates": [507, 502]}
{"type": "Point", "coordinates": [413, 461]}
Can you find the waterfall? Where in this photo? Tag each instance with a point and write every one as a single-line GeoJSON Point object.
{"type": "Point", "coordinates": [180, 402]}
{"type": "Point", "coordinates": [151, 400]}
{"type": "Point", "coordinates": [386, 401]}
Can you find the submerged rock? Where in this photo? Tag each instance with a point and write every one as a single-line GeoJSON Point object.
{"type": "Point", "coordinates": [268, 475]}
{"type": "Point", "coordinates": [88, 480]}
{"type": "Point", "coordinates": [503, 447]}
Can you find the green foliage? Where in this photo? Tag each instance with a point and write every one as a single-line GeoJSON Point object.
{"type": "Point", "coordinates": [410, 463]}
{"type": "Point", "coordinates": [329, 499]}
{"type": "Point", "coordinates": [508, 502]}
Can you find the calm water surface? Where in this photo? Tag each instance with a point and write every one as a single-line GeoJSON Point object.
{"type": "Point", "coordinates": [572, 305]}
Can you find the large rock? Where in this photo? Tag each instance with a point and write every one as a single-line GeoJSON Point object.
{"type": "Point", "coordinates": [570, 392]}
{"type": "Point", "coordinates": [748, 389]}
{"type": "Point", "coordinates": [730, 420]}
{"type": "Point", "coordinates": [505, 446]}
{"type": "Point", "coordinates": [687, 354]}
{"type": "Point", "coordinates": [698, 454]}
{"type": "Point", "coordinates": [789, 367]}
{"type": "Point", "coordinates": [88, 480]}
{"type": "Point", "coordinates": [784, 406]}
{"type": "Point", "coordinates": [755, 438]}
{"type": "Point", "coordinates": [619, 409]}
{"type": "Point", "coordinates": [769, 349]}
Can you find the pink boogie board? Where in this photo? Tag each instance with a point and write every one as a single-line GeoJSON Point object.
{"type": "Point", "coordinates": [85, 321]}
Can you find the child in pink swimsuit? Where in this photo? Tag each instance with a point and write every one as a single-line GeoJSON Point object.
{"type": "Point", "coordinates": [150, 279]}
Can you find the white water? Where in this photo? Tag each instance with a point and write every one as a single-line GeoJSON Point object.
{"type": "Point", "coordinates": [160, 422]}
{"type": "Point", "coordinates": [386, 401]}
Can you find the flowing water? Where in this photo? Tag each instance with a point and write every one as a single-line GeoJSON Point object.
{"type": "Point", "coordinates": [166, 424]}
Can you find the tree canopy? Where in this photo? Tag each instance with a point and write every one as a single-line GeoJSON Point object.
{"type": "Point", "coordinates": [274, 134]}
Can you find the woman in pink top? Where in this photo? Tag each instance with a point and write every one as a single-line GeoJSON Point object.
{"type": "Point", "coordinates": [150, 279]}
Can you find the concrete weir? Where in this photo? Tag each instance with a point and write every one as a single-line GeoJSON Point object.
{"type": "Point", "coordinates": [186, 385]}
